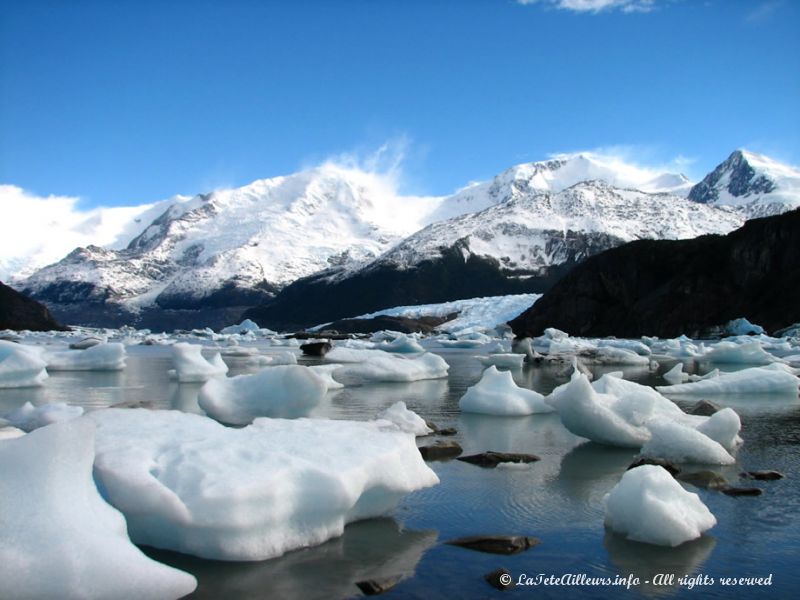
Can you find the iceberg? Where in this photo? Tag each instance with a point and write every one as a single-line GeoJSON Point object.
{"type": "Point", "coordinates": [326, 373]}
{"type": "Point", "coordinates": [497, 394]}
{"type": "Point", "coordinates": [29, 417]}
{"type": "Point", "coordinates": [742, 326]}
{"type": "Point", "coordinates": [20, 366]}
{"type": "Point", "coordinates": [286, 391]}
{"type": "Point", "coordinates": [189, 484]}
{"type": "Point", "coordinates": [102, 357]}
{"type": "Point", "coordinates": [61, 539]}
{"type": "Point", "coordinates": [192, 367]}
{"type": "Point", "coordinates": [773, 379]}
{"type": "Point", "coordinates": [402, 344]}
{"type": "Point", "coordinates": [504, 360]}
{"type": "Point", "coordinates": [676, 375]}
{"type": "Point", "coordinates": [749, 353]}
{"type": "Point", "coordinates": [376, 365]}
{"type": "Point", "coordinates": [405, 419]}
{"type": "Point", "coordinates": [649, 506]}
{"type": "Point", "coordinates": [681, 444]}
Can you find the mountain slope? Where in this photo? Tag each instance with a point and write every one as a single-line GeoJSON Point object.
{"type": "Point", "coordinates": [752, 183]}
{"type": "Point", "coordinates": [669, 288]}
{"type": "Point", "coordinates": [521, 245]}
{"type": "Point", "coordinates": [20, 312]}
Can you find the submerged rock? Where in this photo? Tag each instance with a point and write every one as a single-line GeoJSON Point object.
{"type": "Point", "coordinates": [704, 408]}
{"type": "Point", "coordinates": [496, 544]}
{"type": "Point", "coordinates": [491, 459]}
{"type": "Point", "coordinates": [762, 475]}
{"type": "Point", "coordinates": [373, 587]}
{"type": "Point", "coordinates": [704, 479]}
{"type": "Point", "coordinates": [500, 579]}
{"type": "Point", "coordinates": [441, 450]}
{"type": "Point", "coordinates": [741, 491]}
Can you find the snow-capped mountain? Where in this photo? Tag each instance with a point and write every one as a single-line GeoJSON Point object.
{"type": "Point", "coordinates": [558, 174]}
{"type": "Point", "coordinates": [251, 240]}
{"type": "Point", "coordinates": [520, 245]}
{"type": "Point", "coordinates": [752, 183]}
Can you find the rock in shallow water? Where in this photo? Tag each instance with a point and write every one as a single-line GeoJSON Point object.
{"type": "Point", "coordinates": [492, 459]}
{"type": "Point", "coordinates": [373, 587]}
{"type": "Point", "coordinates": [704, 408]}
{"type": "Point", "coordinates": [671, 468]}
{"type": "Point", "coordinates": [496, 544]}
{"type": "Point", "coordinates": [500, 579]}
{"type": "Point", "coordinates": [441, 450]}
{"type": "Point", "coordinates": [762, 475]}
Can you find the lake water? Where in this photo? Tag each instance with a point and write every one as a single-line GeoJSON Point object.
{"type": "Point", "coordinates": [558, 499]}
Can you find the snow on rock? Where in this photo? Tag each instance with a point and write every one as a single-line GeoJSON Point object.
{"type": "Point", "coordinates": [676, 375]}
{"type": "Point", "coordinates": [192, 367]}
{"type": "Point", "coordinates": [29, 417]}
{"type": "Point", "coordinates": [504, 360]}
{"type": "Point", "coordinates": [60, 537]}
{"type": "Point", "coordinates": [681, 444]}
{"type": "Point", "coordinates": [497, 394]}
{"type": "Point", "coordinates": [407, 420]}
{"type": "Point", "coordinates": [102, 357]}
{"type": "Point", "coordinates": [376, 365]}
{"type": "Point", "coordinates": [20, 366]}
{"type": "Point", "coordinates": [742, 326]}
{"type": "Point", "coordinates": [749, 353]}
{"type": "Point", "coordinates": [286, 391]}
{"type": "Point", "coordinates": [772, 379]}
{"type": "Point", "coordinates": [187, 483]}
{"type": "Point", "coordinates": [648, 505]}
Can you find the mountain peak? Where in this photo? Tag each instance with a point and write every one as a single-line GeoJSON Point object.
{"type": "Point", "coordinates": [754, 182]}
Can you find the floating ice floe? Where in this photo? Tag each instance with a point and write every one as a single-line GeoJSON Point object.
{"type": "Point", "coordinates": [29, 417]}
{"type": "Point", "coordinates": [460, 343]}
{"type": "Point", "coordinates": [376, 365]}
{"type": "Point", "coordinates": [504, 360]}
{"type": "Point", "coordinates": [60, 538]}
{"type": "Point", "coordinates": [676, 375]}
{"type": "Point", "coordinates": [611, 355]}
{"type": "Point", "coordinates": [189, 484]}
{"type": "Point", "coordinates": [402, 344]}
{"type": "Point", "coordinates": [286, 391]}
{"type": "Point", "coordinates": [20, 366]}
{"type": "Point", "coordinates": [326, 373]}
{"type": "Point", "coordinates": [497, 394]}
{"type": "Point", "coordinates": [101, 357]}
{"type": "Point", "coordinates": [617, 412]}
{"type": "Point", "coordinates": [742, 326]}
{"type": "Point", "coordinates": [772, 379]}
{"type": "Point", "coordinates": [192, 367]}
{"type": "Point", "coordinates": [244, 327]}
{"type": "Point", "coordinates": [649, 506]}
{"type": "Point", "coordinates": [405, 419]}
{"type": "Point", "coordinates": [749, 353]}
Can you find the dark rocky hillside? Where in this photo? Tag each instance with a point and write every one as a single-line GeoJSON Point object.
{"type": "Point", "coordinates": [20, 312]}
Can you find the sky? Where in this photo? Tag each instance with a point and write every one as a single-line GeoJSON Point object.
{"type": "Point", "coordinates": [125, 102]}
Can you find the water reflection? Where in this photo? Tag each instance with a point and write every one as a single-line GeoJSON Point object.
{"type": "Point", "coordinates": [373, 549]}
{"type": "Point", "coordinates": [646, 561]}
{"type": "Point", "coordinates": [590, 470]}
{"type": "Point", "coordinates": [514, 434]}
{"type": "Point", "coordinates": [426, 397]}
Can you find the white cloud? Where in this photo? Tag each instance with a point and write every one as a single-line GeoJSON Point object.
{"type": "Point", "coordinates": [38, 230]}
{"type": "Point", "coordinates": [597, 6]}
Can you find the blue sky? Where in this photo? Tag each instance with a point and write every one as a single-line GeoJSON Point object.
{"type": "Point", "coordinates": [122, 102]}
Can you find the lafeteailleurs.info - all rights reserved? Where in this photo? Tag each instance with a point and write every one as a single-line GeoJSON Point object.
{"type": "Point", "coordinates": [629, 581]}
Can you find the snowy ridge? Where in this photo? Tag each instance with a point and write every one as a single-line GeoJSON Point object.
{"type": "Point", "coordinates": [531, 232]}
{"type": "Point", "coordinates": [754, 184]}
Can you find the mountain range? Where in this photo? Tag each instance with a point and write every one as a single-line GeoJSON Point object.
{"type": "Point", "coordinates": [332, 242]}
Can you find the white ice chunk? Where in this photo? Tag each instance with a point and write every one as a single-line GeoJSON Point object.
{"type": "Point", "coordinates": [287, 391]}
{"type": "Point", "coordinates": [189, 484]}
{"type": "Point", "coordinates": [326, 373]}
{"type": "Point", "coordinates": [497, 394]}
{"type": "Point", "coordinates": [20, 366]}
{"type": "Point", "coordinates": [742, 326]}
{"type": "Point", "coordinates": [755, 380]}
{"type": "Point", "coordinates": [749, 353]}
{"type": "Point", "coordinates": [682, 444]}
{"type": "Point", "coordinates": [102, 357]}
{"type": "Point", "coordinates": [723, 427]}
{"type": "Point", "coordinates": [192, 367]}
{"type": "Point", "coordinates": [60, 539]}
{"type": "Point", "coordinates": [375, 365]}
{"type": "Point", "coordinates": [610, 355]}
{"type": "Point", "coordinates": [243, 327]}
{"type": "Point", "coordinates": [29, 417]}
{"type": "Point", "coordinates": [676, 375]}
{"type": "Point", "coordinates": [648, 505]}
{"type": "Point", "coordinates": [402, 344]}
{"type": "Point", "coordinates": [407, 420]}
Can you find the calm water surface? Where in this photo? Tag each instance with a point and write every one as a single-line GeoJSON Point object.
{"type": "Point", "coordinates": [558, 500]}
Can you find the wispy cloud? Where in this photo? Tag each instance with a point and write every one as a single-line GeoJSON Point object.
{"type": "Point", "coordinates": [637, 164]}
{"type": "Point", "coordinates": [763, 11]}
{"type": "Point", "coordinates": [597, 6]}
